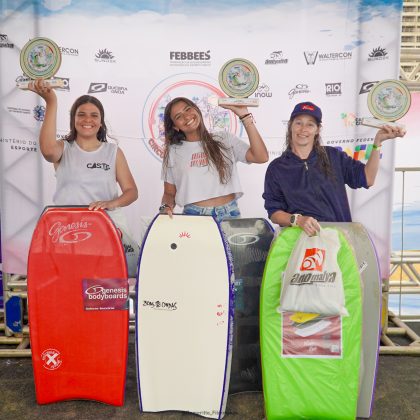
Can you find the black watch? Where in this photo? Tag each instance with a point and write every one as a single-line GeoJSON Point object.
{"type": "Point", "coordinates": [164, 206]}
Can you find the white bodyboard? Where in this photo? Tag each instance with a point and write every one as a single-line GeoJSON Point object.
{"type": "Point", "coordinates": [184, 316]}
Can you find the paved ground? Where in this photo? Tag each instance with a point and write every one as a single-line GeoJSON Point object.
{"type": "Point", "coordinates": [396, 398]}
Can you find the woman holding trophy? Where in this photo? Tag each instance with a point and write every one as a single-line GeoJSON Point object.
{"type": "Point", "coordinates": [88, 168]}
{"type": "Point", "coordinates": [306, 184]}
{"type": "Point", "coordinates": [199, 168]}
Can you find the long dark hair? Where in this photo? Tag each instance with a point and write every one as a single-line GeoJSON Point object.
{"type": "Point", "coordinates": [215, 151]}
{"type": "Point", "coordinates": [323, 160]}
{"type": "Point", "coordinates": [101, 135]}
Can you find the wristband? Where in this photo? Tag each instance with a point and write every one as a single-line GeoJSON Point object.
{"type": "Point", "coordinates": [375, 147]}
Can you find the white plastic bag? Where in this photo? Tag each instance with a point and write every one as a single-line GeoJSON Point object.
{"type": "Point", "coordinates": [312, 281]}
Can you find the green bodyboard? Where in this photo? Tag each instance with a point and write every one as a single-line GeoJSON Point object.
{"type": "Point", "coordinates": [309, 387]}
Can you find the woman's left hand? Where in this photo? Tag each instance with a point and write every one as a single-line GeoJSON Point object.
{"type": "Point", "coordinates": [104, 205]}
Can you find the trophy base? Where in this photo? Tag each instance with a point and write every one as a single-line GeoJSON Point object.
{"type": "Point", "coordinates": [239, 101]}
{"type": "Point", "coordinates": [375, 123]}
{"type": "Point", "coordinates": [52, 83]}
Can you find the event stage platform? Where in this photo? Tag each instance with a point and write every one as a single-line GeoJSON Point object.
{"type": "Point", "coordinates": [396, 396]}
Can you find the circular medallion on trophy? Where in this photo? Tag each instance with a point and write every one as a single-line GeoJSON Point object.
{"type": "Point", "coordinates": [40, 57]}
{"type": "Point", "coordinates": [388, 101]}
{"type": "Point", "coordinates": [239, 78]}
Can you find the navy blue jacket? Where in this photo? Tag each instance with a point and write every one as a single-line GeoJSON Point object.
{"type": "Point", "coordinates": [295, 185]}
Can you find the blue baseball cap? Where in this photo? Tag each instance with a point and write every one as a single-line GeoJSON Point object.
{"type": "Point", "coordinates": [307, 108]}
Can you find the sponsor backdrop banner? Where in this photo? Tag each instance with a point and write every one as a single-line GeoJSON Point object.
{"type": "Point", "coordinates": [137, 56]}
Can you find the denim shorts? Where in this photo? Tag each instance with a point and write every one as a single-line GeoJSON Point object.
{"type": "Point", "coordinates": [229, 210]}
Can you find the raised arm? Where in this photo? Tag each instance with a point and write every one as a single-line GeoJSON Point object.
{"type": "Point", "coordinates": [372, 165]}
{"type": "Point", "coordinates": [257, 152]}
{"type": "Point", "coordinates": [127, 184]}
{"type": "Point", "coordinates": [51, 149]}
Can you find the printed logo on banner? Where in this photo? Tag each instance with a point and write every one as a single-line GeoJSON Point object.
{"type": "Point", "coordinates": [189, 58]}
{"type": "Point", "coordinates": [97, 87]}
{"type": "Point", "coordinates": [66, 83]}
{"type": "Point", "coordinates": [333, 89]}
{"type": "Point", "coordinates": [299, 89]}
{"type": "Point", "coordinates": [276, 57]}
{"type": "Point", "coordinates": [358, 148]}
{"type": "Point", "coordinates": [313, 259]}
{"type": "Point", "coordinates": [19, 110]}
{"type": "Point", "coordinates": [69, 51]}
{"type": "Point", "coordinates": [4, 42]}
{"type": "Point", "coordinates": [20, 144]}
{"type": "Point", "coordinates": [105, 294]}
{"type": "Point", "coordinates": [70, 233]}
{"type": "Point", "coordinates": [363, 151]}
{"type": "Point", "coordinates": [120, 90]}
{"type": "Point", "coordinates": [39, 112]}
{"type": "Point", "coordinates": [104, 56]}
{"type": "Point", "coordinates": [350, 119]}
{"type": "Point", "coordinates": [310, 57]}
{"type": "Point", "coordinates": [201, 89]}
{"type": "Point", "coordinates": [366, 87]}
{"type": "Point", "coordinates": [106, 87]}
{"type": "Point", "coordinates": [263, 91]}
{"type": "Point", "coordinates": [51, 358]}
{"type": "Point", "coordinates": [378, 54]}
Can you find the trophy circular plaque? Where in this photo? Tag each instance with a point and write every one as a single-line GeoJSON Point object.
{"type": "Point", "coordinates": [389, 100]}
{"type": "Point", "coordinates": [238, 78]}
{"type": "Point", "coordinates": [40, 57]}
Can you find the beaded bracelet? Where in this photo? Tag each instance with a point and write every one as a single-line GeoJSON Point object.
{"type": "Point", "coordinates": [375, 147]}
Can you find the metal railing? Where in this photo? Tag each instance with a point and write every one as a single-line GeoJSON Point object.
{"type": "Point", "coordinates": [405, 264]}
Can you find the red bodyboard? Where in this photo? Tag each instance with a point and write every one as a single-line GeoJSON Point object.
{"type": "Point", "coordinates": [77, 302]}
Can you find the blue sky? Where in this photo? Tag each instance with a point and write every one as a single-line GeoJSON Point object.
{"type": "Point", "coordinates": [411, 227]}
{"type": "Point", "coordinates": [123, 7]}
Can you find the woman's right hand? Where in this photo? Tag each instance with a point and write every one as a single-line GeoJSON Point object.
{"type": "Point", "coordinates": [42, 89]}
{"type": "Point", "coordinates": [166, 210]}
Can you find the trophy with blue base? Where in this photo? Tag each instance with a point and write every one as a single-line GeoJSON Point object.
{"type": "Point", "coordinates": [388, 101]}
{"type": "Point", "coordinates": [40, 58]}
{"type": "Point", "coordinates": [239, 79]}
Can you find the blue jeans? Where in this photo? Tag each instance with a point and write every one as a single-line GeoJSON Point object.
{"type": "Point", "coordinates": [229, 210]}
